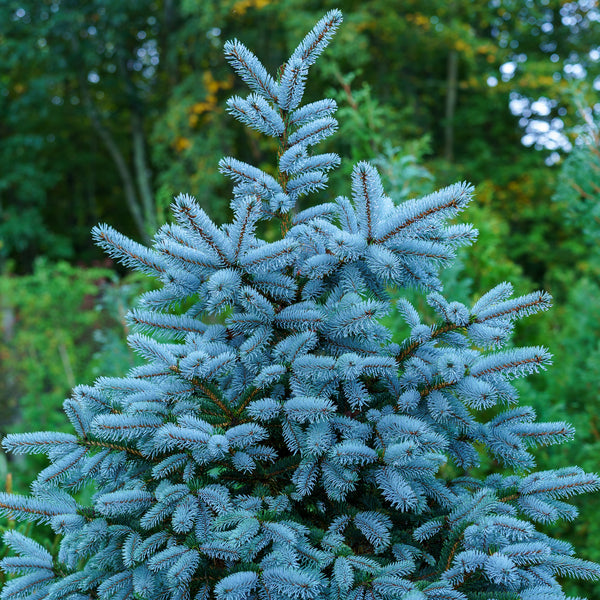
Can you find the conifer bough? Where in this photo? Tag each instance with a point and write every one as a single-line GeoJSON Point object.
{"type": "Point", "coordinates": [294, 451]}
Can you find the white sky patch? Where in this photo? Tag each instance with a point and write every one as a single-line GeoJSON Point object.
{"type": "Point", "coordinates": [508, 70]}
{"type": "Point", "coordinates": [575, 70]}
{"type": "Point", "coordinates": [541, 107]}
{"type": "Point", "coordinates": [538, 130]}
{"type": "Point", "coordinates": [517, 105]}
{"type": "Point", "coordinates": [535, 126]}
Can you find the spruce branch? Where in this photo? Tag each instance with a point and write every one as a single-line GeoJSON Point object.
{"type": "Point", "coordinates": [291, 448]}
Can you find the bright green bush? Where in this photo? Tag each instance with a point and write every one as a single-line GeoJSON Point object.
{"type": "Point", "coordinates": [61, 324]}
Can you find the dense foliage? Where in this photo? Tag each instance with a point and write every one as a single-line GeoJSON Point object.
{"type": "Point", "coordinates": [293, 449]}
{"type": "Point", "coordinates": [110, 108]}
{"type": "Point", "coordinates": [61, 324]}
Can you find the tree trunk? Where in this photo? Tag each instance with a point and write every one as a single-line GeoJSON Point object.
{"type": "Point", "coordinates": [105, 134]}
{"type": "Point", "coordinates": [142, 171]}
{"type": "Point", "coordinates": [451, 89]}
{"type": "Point", "coordinates": [131, 197]}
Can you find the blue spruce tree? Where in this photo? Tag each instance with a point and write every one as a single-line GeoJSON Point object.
{"type": "Point", "coordinates": [295, 451]}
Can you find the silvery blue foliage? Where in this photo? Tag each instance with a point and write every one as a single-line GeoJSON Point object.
{"type": "Point", "coordinates": [293, 449]}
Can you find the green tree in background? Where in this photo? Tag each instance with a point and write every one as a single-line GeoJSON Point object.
{"type": "Point", "coordinates": [61, 324]}
{"type": "Point", "coordinates": [572, 383]}
{"type": "Point", "coordinates": [82, 83]}
{"type": "Point", "coordinates": [578, 188]}
{"type": "Point", "coordinates": [112, 107]}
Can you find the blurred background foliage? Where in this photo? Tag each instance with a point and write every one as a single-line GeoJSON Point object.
{"type": "Point", "coordinates": [110, 108]}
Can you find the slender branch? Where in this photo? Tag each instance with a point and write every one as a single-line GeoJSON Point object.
{"type": "Point", "coordinates": [142, 170]}
{"type": "Point", "coordinates": [451, 89]}
{"type": "Point", "coordinates": [117, 156]}
{"type": "Point", "coordinates": [112, 447]}
{"type": "Point", "coordinates": [439, 330]}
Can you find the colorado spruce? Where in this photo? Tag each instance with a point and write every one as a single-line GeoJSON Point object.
{"type": "Point", "coordinates": [290, 448]}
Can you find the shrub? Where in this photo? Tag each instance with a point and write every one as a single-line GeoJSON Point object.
{"type": "Point", "coordinates": [294, 450]}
